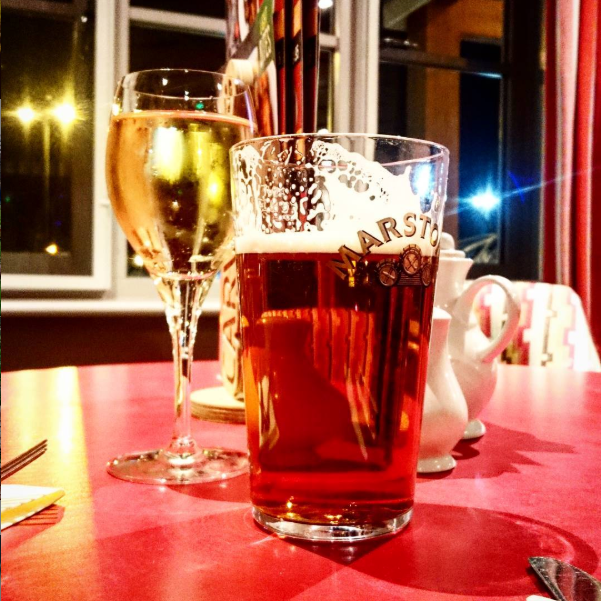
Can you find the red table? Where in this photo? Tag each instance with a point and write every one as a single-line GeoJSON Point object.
{"type": "Point", "coordinates": [529, 487]}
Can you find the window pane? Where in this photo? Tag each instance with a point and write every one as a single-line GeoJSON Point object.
{"type": "Point", "coordinates": [439, 26]}
{"type": "Point", "coordinates": [461, 111]}
{"type": "Point", "coordinates": [157, 48]}
{"type": "Point", "coordinates": [192, 7]}
{"type": "Point", "coordinates": [327, 16]}
{"type": "Point", "coordinates": [479, 143]}
{"type": "Point", "coordinates": [47, 125]}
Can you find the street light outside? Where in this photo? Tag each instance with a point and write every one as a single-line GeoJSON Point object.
{"type": "Point", "coordinates": [65, 113]}
{"type": "Point", "coordinates": [26, 114]}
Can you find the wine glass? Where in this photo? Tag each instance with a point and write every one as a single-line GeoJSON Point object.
{"type": "Point", "coordinates": [168, 178]}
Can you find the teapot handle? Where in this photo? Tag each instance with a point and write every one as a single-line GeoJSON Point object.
{"type": "Point", "coordinates": [463, 309]}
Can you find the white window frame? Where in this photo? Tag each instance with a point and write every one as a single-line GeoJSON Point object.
{"type": "Point", "coordinates": [355, 109]}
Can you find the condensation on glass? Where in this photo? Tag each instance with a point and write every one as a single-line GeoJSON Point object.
{"type": "Point", "coordinates": [439, 26]}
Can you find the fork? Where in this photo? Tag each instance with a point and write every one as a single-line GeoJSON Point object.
{"type": "Point", "coordinates": [19, 462]}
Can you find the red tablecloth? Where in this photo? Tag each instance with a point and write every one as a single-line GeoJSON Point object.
{"type": "Point", "coordinates": [529, 487]}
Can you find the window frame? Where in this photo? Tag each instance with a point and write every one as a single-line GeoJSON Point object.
{"type": "Point", "coordinates": [109, 289]}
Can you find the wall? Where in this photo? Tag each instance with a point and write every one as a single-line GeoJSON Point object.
{"type": "Point", "coordinates": [31, 342]}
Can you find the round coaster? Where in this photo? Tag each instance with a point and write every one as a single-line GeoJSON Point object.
{"type": "Point", "coordinates": [217, 405]}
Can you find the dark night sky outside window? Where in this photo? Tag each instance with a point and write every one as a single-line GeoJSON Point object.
{"type": "Point", "coordinates": [479, 142]}
{"type": "Point", "coordinates": [47, 170]}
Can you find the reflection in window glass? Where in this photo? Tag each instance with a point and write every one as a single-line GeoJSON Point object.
{"type": "Point", "coordinates": [466, 119]}
{"type": "Point", "coordinates": [439, 26]}
{"type": "Point", "coordinates": [47, 125]}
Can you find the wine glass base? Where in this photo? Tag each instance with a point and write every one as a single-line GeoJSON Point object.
{"type": "Point", "coordinates": [330, 533]}
{"type": "Point", "coordinates": [159, 467]}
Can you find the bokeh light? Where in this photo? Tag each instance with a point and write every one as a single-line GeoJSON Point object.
{"type": "Point", "coordinates": [485, 201]}
{"type": "Point", "coordinates": [65, 113]}
{"type": "Point", "coordinates": [26, 114]}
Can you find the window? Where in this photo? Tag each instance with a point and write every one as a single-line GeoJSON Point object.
{"type": "Point", "coordinates": [383, 67]}
{"type": "Point", "coordinates": [59, 233]}
{"type": "Point", "coordinates": [48, 126]}
{"type": "Point", "coordinates": [447, 73]}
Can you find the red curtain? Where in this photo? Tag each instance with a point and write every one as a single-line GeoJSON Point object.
{"type": "Point", "coordinates": [572, 164]}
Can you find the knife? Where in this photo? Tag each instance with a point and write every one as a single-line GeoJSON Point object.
{"type": "Point", "coordinates": [566, 582]}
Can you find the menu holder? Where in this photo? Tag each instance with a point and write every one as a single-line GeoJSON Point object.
{"type": "Point", "coordinates": [273, 47]}
{"type": "Point", "coordinates": [254, 62]}
{"type": "Point", "coordinates": [294, 62]}
{"type": "Point", "coordinates": [310, 63]}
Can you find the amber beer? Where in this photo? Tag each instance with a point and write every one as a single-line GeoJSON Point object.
{"type": "Point", "coordinates": [337, 240]}
{"type": "Point", "coordinates": [334, 373]}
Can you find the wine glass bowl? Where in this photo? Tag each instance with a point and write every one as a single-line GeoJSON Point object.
{"type": "Point", "coordinates": [169, 183]}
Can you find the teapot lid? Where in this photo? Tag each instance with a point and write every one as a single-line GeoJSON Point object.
{"type": "Point", "coordinates": [447, 247]}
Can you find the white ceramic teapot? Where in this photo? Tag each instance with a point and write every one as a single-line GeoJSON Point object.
{"type": "Point", "coordinates": [472, 353]}
{"type": "Point", "coordinates": [445, 410]}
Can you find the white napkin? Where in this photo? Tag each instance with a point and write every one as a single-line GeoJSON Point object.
{"type": "Point", "coordinates": [20, 502]}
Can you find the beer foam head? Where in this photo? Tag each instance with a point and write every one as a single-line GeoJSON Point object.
{"type": "Point", "coordinates": [329, 197]}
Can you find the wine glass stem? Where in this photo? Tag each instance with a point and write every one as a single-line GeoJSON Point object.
{"type": "Point", "coordinates": [183, 308]}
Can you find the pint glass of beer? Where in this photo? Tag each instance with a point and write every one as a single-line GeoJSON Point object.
{"type": "Point", "coordinates": [337, 240]}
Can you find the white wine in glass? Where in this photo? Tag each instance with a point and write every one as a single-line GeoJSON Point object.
{"type": "Point", "coordinates": [168, 178]}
